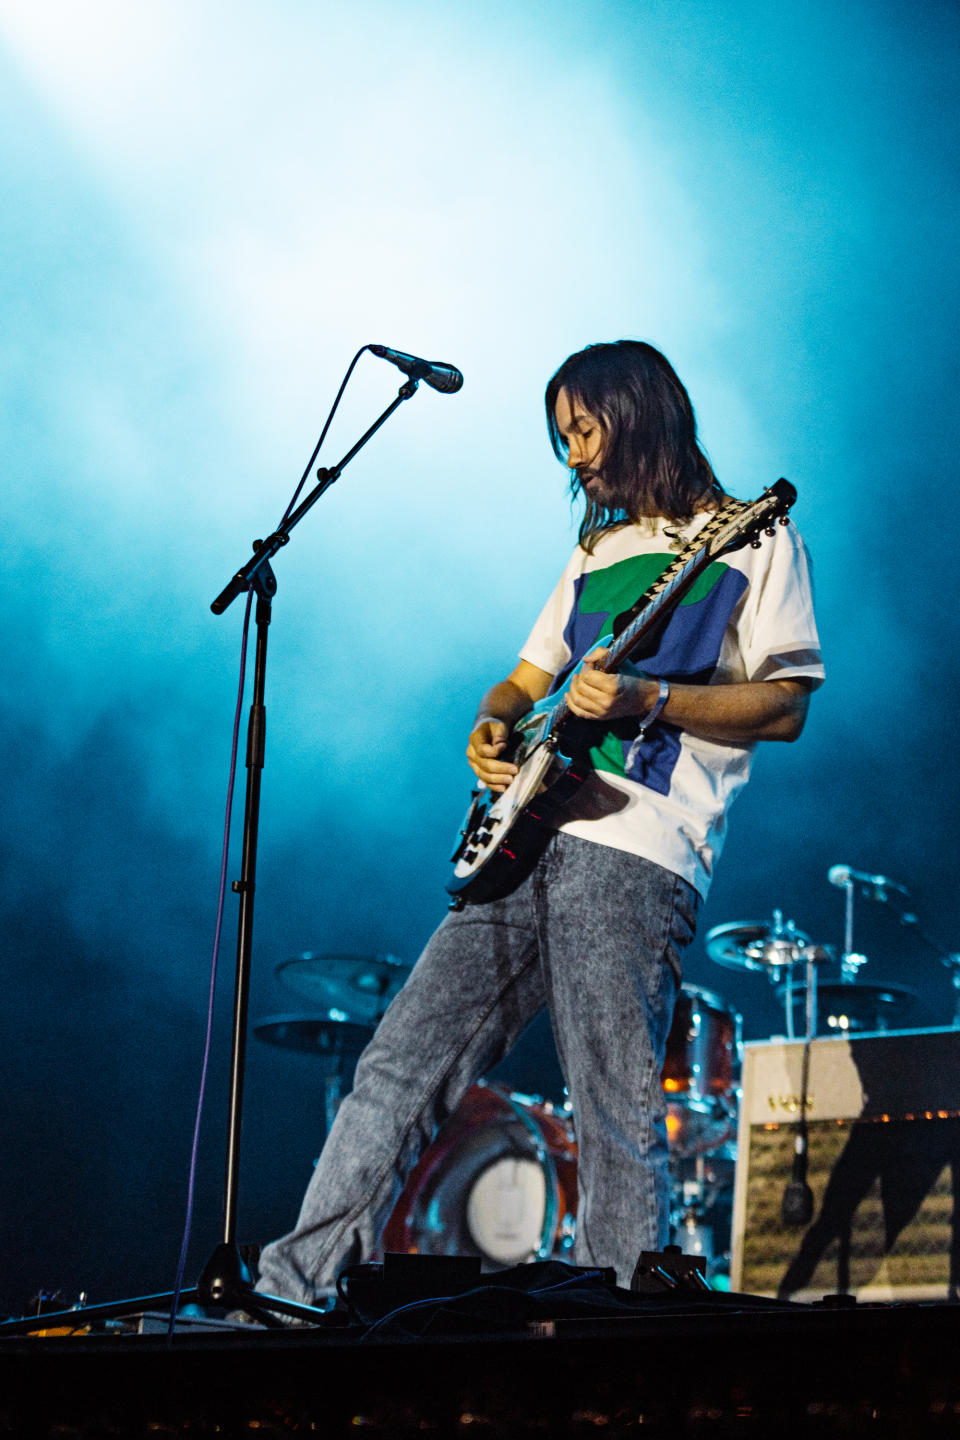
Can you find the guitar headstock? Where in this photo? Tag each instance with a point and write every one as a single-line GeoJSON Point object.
{"type": "Point", "coordinates": [756, 518]}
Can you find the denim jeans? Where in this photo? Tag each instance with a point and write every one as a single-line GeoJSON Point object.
{"type": "Point", "coordinates": [596, 935]}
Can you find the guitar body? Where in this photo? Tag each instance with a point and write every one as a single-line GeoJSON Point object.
{"type": "Point", "coordinates": [503, 835]}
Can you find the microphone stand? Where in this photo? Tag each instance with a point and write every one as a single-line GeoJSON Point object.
{"type": "Point", "coordinates": [796, 1206]}
{"type": "Point", "coordinates": [897, 897]}
{"type": "Point", "coordinates": [225, 1280]}
{"type": "Point", "coordinates": [264, 550]}
{"type": "Point", "coordinates": [949, 958]}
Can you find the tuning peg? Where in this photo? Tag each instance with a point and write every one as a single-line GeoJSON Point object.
{"type": "Point", "coordinates": [755, 543]}
{"type": "Point", "coordinates": [784, 519]}
{"type": "Point", "coordinates": [769, 530]}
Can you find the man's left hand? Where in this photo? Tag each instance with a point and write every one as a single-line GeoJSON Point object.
{"type": "Point", "coordinates": [595, 695]}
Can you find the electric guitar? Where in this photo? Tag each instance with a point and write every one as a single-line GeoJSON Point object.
{"type": "Point", "coordinates": [503, 834]}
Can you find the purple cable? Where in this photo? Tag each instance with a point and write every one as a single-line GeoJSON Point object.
{"type": "Point", "coordinates": [188, 1222]}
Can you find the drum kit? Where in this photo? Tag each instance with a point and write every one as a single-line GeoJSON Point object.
{"type": "Point", "coordinates": [499, 1179]}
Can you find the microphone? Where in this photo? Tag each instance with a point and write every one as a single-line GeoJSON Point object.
{"type": "Point", "coordinates": [796, 1206]}
{"type": "Point", "coordinates": [445, 378]}
{"type": "Point", "coordinates": [842, 875]}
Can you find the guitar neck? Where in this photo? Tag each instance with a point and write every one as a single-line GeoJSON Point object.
{"type": "Point", "coordinates": [671, 594]}
{"type": "Point", "coordinates": [723, 532]}
{"type": "Point", "coordinates": [657, 606]}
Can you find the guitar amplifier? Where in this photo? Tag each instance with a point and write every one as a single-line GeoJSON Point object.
{"type": "Point", "coordinates": [883, 1118]}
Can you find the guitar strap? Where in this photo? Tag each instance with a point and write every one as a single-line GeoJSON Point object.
{"type": "Point", "coordinates": [681, 560]}
{"type": "Point", "coordinates": [717, 521]}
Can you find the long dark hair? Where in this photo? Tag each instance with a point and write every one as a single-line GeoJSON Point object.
{"type": "Point", "coordinates": [651, 454]}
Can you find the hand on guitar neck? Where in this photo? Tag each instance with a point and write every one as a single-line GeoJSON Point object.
{"type": "Point", "coordinates": [737, 713]}
{"type": "Point", "coordinates": [595, 695]}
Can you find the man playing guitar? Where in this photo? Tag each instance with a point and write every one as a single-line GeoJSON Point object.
{"type": "Point", "coordinates": [594, 925]}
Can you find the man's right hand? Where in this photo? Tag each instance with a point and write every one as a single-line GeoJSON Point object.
{"type": "Point", "coordinates": [488, 740]}
{"type": "Point", "coordinates": [500, 709]}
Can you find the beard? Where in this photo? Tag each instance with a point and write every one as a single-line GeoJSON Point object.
{"type": "Point", "coordinates": [601, 491]}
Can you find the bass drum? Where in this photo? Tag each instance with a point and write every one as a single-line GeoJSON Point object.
{"type": "Point", "coordinates": [701, 1072]}
{"type": "Point", "coordinates": [498, 1181]}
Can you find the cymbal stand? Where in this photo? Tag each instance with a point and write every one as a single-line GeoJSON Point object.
{"type": "Point", "coordinates": [850, 961]}
{"type": "Point", "coordinates": [691, 1220]}
{"type": "Point", "coordinates": [333, 1077]}
{"type": "Point", "coordinates": [225, 1280]}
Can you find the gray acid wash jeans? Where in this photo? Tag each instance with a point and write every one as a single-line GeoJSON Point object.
{"type": "Point", "coordinates": [596, 935]}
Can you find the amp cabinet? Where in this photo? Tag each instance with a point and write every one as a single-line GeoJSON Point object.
{"type": "Point", "coordinates": [883, 1116]}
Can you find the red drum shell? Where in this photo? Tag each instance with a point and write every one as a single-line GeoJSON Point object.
{"type": "Point", "coordinates": [701, 1071]}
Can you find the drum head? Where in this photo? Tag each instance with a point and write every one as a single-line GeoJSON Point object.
{"type": "Point", "coordinates": [506, 1209]}
{"type": "Point", "coordinates": [496, 1182]}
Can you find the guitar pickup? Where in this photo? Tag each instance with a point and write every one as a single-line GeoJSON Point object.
{"type": "Point", "coordinates": [463, 834]}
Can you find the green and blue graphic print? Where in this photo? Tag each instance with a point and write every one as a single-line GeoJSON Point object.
{"type": "Point", "coordinates": [686, 651]}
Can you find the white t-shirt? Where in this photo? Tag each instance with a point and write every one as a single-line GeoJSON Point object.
{"type": "Point", "coordinates": [748, 617]}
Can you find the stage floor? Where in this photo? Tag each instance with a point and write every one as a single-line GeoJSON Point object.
{"type": "Point", "coordinates": [669, 1369]}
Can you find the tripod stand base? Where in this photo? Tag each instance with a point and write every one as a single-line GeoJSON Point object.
{"type": "Point", "coordinates": [225, 1282]}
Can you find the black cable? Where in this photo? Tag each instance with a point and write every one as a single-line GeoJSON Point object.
{"type": "Point", "coordinates": [487, 1289]}
{"type": "Point", "coordinates": [796, 1208]}
{"type": "Point", "coordinates": [194, 1152]}
{"type": "Point", "coordinates": [323, 434]}
{"type": "Point", "coordinates": [212, 985]}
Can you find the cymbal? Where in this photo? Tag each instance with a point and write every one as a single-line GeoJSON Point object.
{"type": "Point", "coordinates": [361, 986]}
{"type": "Point", "coordinates": [856, 1006]}
{"type": "Point", "coordinates": [330, 1035]}
{"type": "Point", "coordinates": [763, 946]}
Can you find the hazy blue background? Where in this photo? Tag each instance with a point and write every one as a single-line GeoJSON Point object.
{"type": "Point", "coordinates": [205, 209]}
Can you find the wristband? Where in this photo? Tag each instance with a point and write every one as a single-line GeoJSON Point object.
{"type": "Point", "coordinates": [663, 695]}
